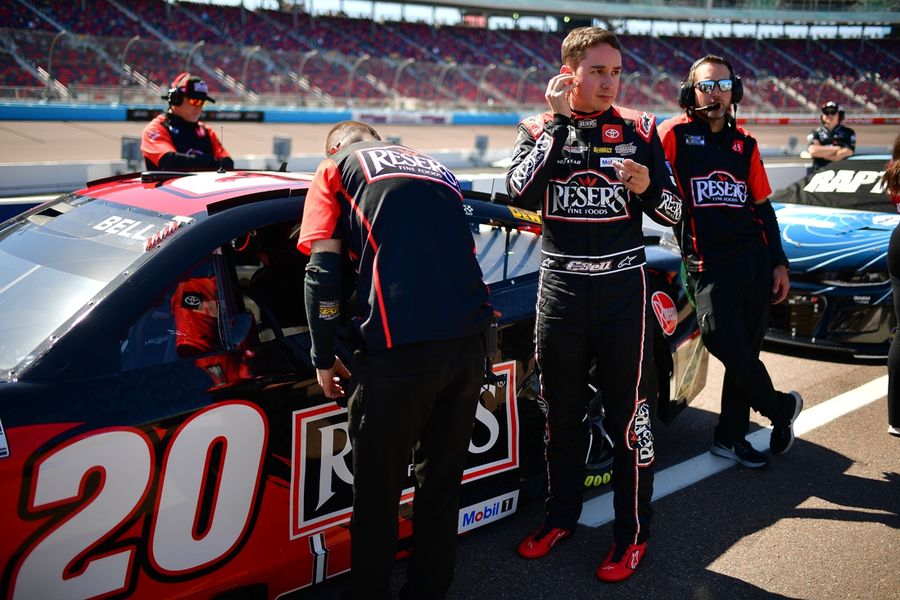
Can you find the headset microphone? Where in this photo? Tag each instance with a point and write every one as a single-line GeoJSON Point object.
{"type": "Point", "coordinates": [713, 106]}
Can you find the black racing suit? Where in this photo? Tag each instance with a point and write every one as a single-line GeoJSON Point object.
{"type": "Point", "coordinates": [592, 300]}
{"type": "Point", "coordinates": [841, 136]}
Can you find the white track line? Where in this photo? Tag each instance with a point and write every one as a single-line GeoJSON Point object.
{"type": "Point", "coordinates": [599, 511]}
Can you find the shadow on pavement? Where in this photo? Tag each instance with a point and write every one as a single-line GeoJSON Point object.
{"type": "Point", "coordinates": [693, 528]}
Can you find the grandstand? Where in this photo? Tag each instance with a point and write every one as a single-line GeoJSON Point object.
{"type": "Point", "coordinates": [126, 52]}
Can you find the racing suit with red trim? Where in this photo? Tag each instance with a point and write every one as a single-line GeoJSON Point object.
{"type": "Point", "coordinates": [422, 310]}
{"type": "Point", "coordinates": [592, 299]}
{"type": "Point", "coordinates": [171, 143]}
{"type": "Point", "coordinates": [195, 311]}
{"type": "Point", "coordinates": [729, 258]}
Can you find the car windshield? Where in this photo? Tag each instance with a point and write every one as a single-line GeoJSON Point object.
{"type": "Point", "coordinates": [53, 262]}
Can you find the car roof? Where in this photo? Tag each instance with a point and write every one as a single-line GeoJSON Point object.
{"type": "Point", "coordinates": [195, 194]}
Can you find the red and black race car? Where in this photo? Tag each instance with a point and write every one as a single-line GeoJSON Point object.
{"type": "Point", "coordinates": [161, 430]}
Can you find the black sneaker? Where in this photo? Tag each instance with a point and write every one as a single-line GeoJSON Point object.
{"type": "Point", "coordinates": [783, 425]}
{"type": "Point", "coordinates": [741, 452]}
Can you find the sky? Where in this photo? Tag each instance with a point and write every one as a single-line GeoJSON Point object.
{"type": "Point", "coordinates": [451, 16]}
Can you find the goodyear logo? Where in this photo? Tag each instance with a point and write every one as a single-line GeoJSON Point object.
{"type": "Point", "coordinates": [525, 215]}
{"type": "Point", "coordinates": [487, 511]}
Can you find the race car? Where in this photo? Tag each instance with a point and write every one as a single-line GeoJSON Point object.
{"type": "Point", "coordinates": [836, 224]}
{"type": "Point", "coordinates": [162, 433]}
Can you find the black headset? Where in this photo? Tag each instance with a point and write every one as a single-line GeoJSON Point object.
{"type": "Point", "coordinates": [833, 104]}
{"type": "Point", "coordinates": [686, 97]}
{"type": "Point", "coordinates": [175, 95]}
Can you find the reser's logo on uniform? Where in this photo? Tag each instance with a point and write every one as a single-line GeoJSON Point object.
{"type": "Point", "coordinates": [586, 195]}
{"type": "Point", "coordinates": [391, 161]}
{"type": "Point", "coordinates": [522, 175]}
{"type": "Point", "coordinates": [719, 188]}
{"type": "Point", "coordinates": [639, 435]}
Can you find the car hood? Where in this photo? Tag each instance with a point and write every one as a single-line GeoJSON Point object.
{"type": "Point", "coordinates": [833, 239]}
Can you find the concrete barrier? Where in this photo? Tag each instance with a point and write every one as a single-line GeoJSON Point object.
{"type": "Point", "coordinates": [22, 179]}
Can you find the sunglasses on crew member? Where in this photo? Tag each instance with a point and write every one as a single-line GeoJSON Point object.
{"type": "Point", "coordinates": [196, 101]}
{"type": "Point", "coordinates": [707, 86]}
{"type": "Point", "coordinates": [830, 112]}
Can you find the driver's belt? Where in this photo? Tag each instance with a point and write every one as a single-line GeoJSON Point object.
{"type": "Point", "coordinates": [593, 265]}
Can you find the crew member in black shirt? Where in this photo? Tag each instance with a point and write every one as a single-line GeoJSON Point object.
{"type": "Point", "coordinates": [422, 313]}
{"type": "Point", "coordinates": [831, 140]}
{"type": "Point", "coordinates": [177, 140]}
{"type": "Point", "coordinates": [731, 245]}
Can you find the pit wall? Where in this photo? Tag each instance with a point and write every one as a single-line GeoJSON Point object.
{"type": "Point", "coordinates": [25, 179]}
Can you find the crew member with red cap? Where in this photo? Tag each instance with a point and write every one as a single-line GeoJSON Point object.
{"type": "Point", "coordinates": [177, 139]}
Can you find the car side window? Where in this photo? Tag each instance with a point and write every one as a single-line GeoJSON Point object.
{"type": "Point", "coordinates": [182, 323]}
{"type": "Point", "coordinates": [270, 272]}
{"type": "Point", "coordinates": [506, 252]}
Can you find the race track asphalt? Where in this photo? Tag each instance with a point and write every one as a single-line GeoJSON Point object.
{"type": "Point", "coordinates": [46, 141]}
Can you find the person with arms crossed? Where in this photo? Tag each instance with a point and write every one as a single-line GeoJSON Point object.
{"type": "Point", "coordinates": [177, 139]}
{"type": "Point", "coordinates": [731, 246]}
{"type": "Point", "coordinates": [593, 169]}
{"type": "Point", "coordinates": [891, 182]}
{"type": "Point", "coordinates": [831, 140]}
{"type": "Point", "coordinates": [422, 314]}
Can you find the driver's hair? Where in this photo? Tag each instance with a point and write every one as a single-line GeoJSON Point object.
{"type": "Point", "coordinates": [349, 132]}
{"type": "Point", "coordinates": [582, 38]}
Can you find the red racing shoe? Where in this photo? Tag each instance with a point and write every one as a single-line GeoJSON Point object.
{"type": "Point", "coordinates": [613, 571]}
{"type": "Point", "coordinates": [540, 542]}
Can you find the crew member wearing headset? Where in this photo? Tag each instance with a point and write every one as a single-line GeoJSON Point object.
{"type": "Point", "coordinates": [831, 140]}
{"type": "Point", "coordinates": [177, 140]}
{"type": "Point", "coordinates": [731, 246]}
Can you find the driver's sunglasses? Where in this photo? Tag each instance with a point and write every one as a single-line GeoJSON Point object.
{"type": "Point", "coordinates": [707, 86]}
{"type": "Point", "coordinates": [830, 112]}
{"type": "Point", "coordinates": [196, 101]}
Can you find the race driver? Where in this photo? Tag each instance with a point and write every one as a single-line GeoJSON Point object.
{"type": "Point", "coordinates": [177, 140]}
{"type": "Point", "coordinates": [593, 169]}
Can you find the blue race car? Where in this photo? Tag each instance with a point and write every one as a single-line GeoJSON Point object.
{"type": "Point", "coordinates": [835, 227]}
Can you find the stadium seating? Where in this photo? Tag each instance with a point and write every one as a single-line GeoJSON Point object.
{"type": "Point", "coordinates": [259, 55]}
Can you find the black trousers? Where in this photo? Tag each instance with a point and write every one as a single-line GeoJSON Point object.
{"type": "Point", "coordinates": [602, 318]}
{"type": "Point", "coordinates": [733, 310]}
{"type": "Point", "coordinates": [893, 260]}
{"type": "Point", "coordinates": [420, 397]}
